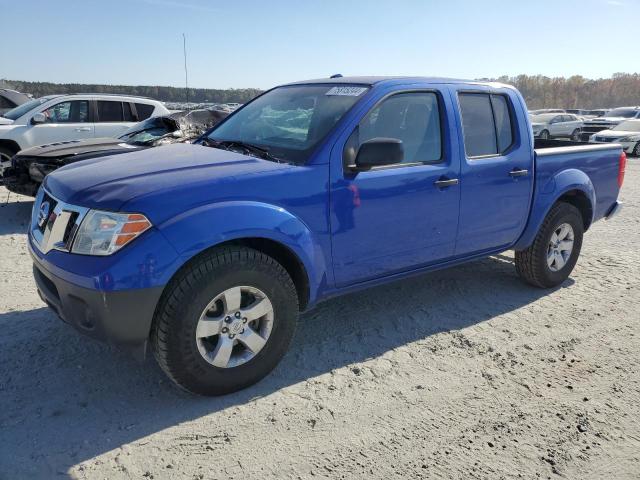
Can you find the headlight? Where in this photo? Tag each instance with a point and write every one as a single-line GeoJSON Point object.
{"type": "Point", "coordinates": [102, 233]}
{"type": "Point", "coordinates": [629, 139]}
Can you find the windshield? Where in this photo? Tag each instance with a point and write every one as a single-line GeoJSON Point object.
{"type": "Point", "coordinates": [623, 112]}
{"type": "Point", "coordinates": [289, 121]}
{"type": "Point", "coordinates": [149, 130]}
{"type": "Point", "coordinates": [20, 110]}
{"type": "Point", "coordinates": [628, 126]}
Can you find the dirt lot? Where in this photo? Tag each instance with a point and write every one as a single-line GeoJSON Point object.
{"type": "Point", "coordinates": [464, 373]}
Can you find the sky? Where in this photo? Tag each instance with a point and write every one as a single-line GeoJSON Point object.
{"type": "Point", "coordinates": [251, 43]}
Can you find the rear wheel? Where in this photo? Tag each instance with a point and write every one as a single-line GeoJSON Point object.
{"type": "Point", "coordinates": [636, 150]}
{"type": "Point", "coordinates": [550, 259]}
{"type": "Point", "coordinates": [575, 135]}
{"type": "Point", "coordinates": [225, 322]}
{"type": "Point", "coordinates": [544, 134]}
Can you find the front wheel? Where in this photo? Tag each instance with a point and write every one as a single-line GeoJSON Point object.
{"type": "Point", "coordinates": [544, 135]}
{"type": "Point", "coordinates": [636, 150]}
{"type": "Point", "coordinates": [550, 259]}
{"type": "Point", "coordinates": [225, 321]}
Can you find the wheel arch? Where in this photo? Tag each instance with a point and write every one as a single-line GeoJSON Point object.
{"type": "Point", "coordinates": [265, 228]}
{"type": "Point", "coordinates": [10, 144]}
{"type": "Point", "coordinates": [571, 186]}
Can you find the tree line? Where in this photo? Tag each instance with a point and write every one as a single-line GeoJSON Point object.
{"type": "Point", "coordinates": [165, 94]}
{"type": "Point", "coordinates": [621, 89]}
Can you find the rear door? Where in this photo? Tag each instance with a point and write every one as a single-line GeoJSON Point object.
{"type": "Point", "coordinates": [66, 120]}
{"type": "Point", "coordinates": [401, 216]}
{"type": "Point", "coordinates": [113, 117]}
{"type": "Point", "coordinates": [497, 170]}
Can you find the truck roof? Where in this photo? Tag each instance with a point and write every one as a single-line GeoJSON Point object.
{"type": "Point", "coordinates": [373, 80]}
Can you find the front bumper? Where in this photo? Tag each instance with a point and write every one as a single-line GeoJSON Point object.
{"type": "Point", "coordinates": [120, 318]}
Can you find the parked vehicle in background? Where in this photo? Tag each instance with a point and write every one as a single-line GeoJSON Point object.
{"type": "Point", "coordinates": [626, 134]}
{"type": "Point", "coordinates": [209, 251]}
{"type": "Point", "coordinates": [608, 121]}
{"type": "Point", "coordinates": [30, 166]}
{"type": "Point", "coordinates": [10, 99]}
{"type": "Point", "coordinates": [579, 112]}
{"type": "Point", "coordinates": [552, 125]}
{"type": "Point", "coordinates": [596, 113]}
{"type": "Point", "coordinates": [61, 118]}
{"type": "Point", "coordinates": [546, 110]}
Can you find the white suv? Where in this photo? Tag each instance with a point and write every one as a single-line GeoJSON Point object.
{"type": "Point", "coordinates": [61, 118]}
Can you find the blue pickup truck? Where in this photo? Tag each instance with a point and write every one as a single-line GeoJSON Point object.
{"type": "Point", "coordinates": [208, 252]}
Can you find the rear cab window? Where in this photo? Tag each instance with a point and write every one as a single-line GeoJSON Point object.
{"type": "Point", "coordinates": [487, 123]}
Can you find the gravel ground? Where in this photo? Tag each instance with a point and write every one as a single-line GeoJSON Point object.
{"type": "Point", "coordinates": [463, 373]}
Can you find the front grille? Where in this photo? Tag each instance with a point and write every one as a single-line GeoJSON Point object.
{"type": "Point", "coordinates": [596, 127]}
{"type": "Point", "coordinates": [54, 223]}
{"type": "Point", "coordinates": [605, 139]}
{"type": "Point", "coordinates": [45, 211]}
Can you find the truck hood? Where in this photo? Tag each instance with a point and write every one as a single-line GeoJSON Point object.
{"type": "Point", "coordinates": [154, 177]}
{"type": "Point", "coordinates": [75, 147]}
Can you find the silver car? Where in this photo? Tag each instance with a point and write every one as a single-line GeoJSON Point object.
{"type": "Point", "coordinates": [552, 125]}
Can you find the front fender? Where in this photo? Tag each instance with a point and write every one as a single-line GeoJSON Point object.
{"type": "Point", "coordinates": [546, 194]}
{"type": "Point", "coordinates": [209, 225]}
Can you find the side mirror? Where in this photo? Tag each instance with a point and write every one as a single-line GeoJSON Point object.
{"type": "Point", "coordinates": [379, 151]}
{"type": "Point", "coordinates": [38, 118]}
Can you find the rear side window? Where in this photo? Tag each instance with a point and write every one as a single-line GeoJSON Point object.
{"type": "Point", "coordinates": [109, 111]}
{"type": "Point", "coordinates": [486, 124]}
{"type": "Point", "coordinates": [503, 122]}
{"type": "Point", "coordinates": [144, 110]}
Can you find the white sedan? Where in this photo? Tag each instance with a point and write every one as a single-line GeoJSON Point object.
{"type": "Point", "coordinates": [626, 134]}
{"type": "Point", "coordinates": [551, 125]}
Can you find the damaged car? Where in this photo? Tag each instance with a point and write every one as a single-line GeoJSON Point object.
{"type": "Point", "coordinates": [30, 166]}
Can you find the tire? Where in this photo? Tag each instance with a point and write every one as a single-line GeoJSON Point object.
{"type": "Point", "coordinates": [191, 297]}
{"type": "Point", "coordinates": [636, 150]}
{"type": "Point", "coordinates": [544, 135]}
{"type": "Point", "coordinates": [532, 264]}
{"type": "Point", "coordinates": [575, 135]}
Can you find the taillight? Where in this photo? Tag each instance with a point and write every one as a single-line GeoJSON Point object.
{"type": "Point", "coordinates": [621, 167]}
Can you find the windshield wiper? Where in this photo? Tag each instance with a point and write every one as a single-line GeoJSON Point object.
{"type": "Point", "coordinates": [255, 150]}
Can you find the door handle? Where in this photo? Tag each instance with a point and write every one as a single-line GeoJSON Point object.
{"type": "Point", "coordinates": [519, 172]}
{"type": "Point", "coordinates": [446, 182]}
{"type": "Point", "coordinates": [83, 129]}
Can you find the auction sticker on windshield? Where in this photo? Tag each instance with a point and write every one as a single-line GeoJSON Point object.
{"type": "Point", "coordinates": [347, 91]}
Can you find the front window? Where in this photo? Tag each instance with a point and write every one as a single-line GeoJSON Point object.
{"type": "Point", "coordinates": [289, 122]}
{"type": "Point", "coordinates": [20, 110]}
{"type": "Point", "coordinates": [628, 126]}
{"type": "Point", "coordinates": [76, 111]}
{"type": "Point", "coordinates": [623, 112]}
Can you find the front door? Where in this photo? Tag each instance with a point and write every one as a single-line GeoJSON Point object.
{"type": "Point", "coordinates": [68, 120]}
{"type": "Point", "coordinates": [497, 171]}
{"type": "Point", "coordinates": [398, 217]}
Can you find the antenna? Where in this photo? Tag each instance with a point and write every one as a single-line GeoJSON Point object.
{"type": "Point", "coordinates": [186, 75]}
